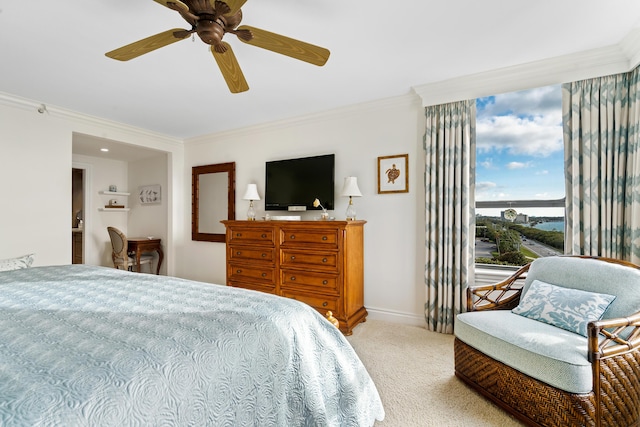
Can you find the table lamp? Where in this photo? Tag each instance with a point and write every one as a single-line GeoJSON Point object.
{"type": "Point", "coordinates": [351, 189]}
{"type": "Point", "coordinates": [251, 194]}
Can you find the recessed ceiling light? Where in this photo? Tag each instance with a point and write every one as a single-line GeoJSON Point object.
{"type": "Point", "coordinates": [104, 150]}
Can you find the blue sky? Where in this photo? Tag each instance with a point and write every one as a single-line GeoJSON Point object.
{"type": "Point", "coordinates": [519, 147]}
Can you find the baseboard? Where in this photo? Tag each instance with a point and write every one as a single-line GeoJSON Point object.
{"type": "Point", "coordinates": [395, 317]}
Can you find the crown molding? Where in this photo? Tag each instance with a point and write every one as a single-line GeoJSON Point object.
{"type": "Point", "coordinates": [55, 111]}
{"type": "Point", "coordinates": [583, 65]}
{"type": "Point", "coordinates": [320, 117]}
{"type": "Point", "coordinates": [631, 47]}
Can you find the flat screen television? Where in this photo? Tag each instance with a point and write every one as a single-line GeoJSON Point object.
{"type": "Point", "coordinates": [293, 184]}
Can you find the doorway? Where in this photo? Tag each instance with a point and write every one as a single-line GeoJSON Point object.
{"type": "Point", "coordinates": [77, 216]}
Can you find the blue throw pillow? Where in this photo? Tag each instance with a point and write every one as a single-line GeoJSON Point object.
{"type": "Point", "coordinates": [570, 309]}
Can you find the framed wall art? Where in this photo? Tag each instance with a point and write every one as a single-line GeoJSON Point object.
{"type": "Point", "coordinates": [149, 194]}
{"type": "Point", "coordinates": [393, 174]}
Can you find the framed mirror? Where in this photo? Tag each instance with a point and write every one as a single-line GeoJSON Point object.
{"type": "Point", "coordinates": [213, 191]}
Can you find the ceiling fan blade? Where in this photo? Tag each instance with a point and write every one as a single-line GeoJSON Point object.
{"type": "Point", "coordinates": [230, 69]}
{"type": "Point", "coordinates": [149, 44]}
{"type": "Point", "coordinates": [286, 46]}
{"type": "Point", "coordinates": [234, 5]}
{"type": "Point", "coordinates": [173, 5]}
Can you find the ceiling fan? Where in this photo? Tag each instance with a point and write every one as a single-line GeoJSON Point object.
{"type": "Point", "coordinates": [211, 20]}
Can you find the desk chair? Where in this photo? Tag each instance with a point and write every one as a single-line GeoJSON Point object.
{"type": "Point", "coordinates": [119, 254]}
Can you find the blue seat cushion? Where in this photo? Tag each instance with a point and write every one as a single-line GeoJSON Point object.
{"type": "Point", "coordinates": [549, 354]}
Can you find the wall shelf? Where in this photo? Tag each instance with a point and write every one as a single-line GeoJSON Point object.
{"type": "Point", "coordinates": [114, 193]}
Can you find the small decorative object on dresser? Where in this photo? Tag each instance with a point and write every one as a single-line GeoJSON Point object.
{"type": "Point", "coordinates": [324, 215]}
{"type": "Point", "coordinates": [319, 263]}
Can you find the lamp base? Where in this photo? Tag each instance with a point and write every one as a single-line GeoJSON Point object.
{"type": "Point", "coordinates": [251, 213]}
{"type": "Point", "coordinates": [351, 211]}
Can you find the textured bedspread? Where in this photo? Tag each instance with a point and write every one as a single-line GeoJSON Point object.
{"type": "Point", "coordinates": [95, 346]}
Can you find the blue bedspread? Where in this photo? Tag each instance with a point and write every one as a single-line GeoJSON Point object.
{"type": "Point", "coordinates": [94, 346]}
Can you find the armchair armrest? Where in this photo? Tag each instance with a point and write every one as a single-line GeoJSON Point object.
{"type": "Point", "coordinates": [614, 342]}
{"type": "Point", "coordinates": [503, 295]}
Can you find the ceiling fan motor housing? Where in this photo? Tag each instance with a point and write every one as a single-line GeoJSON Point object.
{"type": "Point", "coordinates": [210, 30]}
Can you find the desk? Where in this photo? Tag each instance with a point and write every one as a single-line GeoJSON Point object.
{"type": "Point", "coordinates": [144, 244]}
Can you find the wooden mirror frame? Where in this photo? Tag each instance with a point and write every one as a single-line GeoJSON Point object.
{"type": "Point", "coordinates": [196, 172]}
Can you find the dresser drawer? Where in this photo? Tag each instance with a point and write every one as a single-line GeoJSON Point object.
{"type": "Point", "coordinates": [309, 259]}
{"type": "Point", "coordinates": [251, 235]}
{"type": "Point", "coordinates": [251, 253]}
{"type": "Point", "coordinates": [268, 289]}
{"type": "Point", "coordinates": [308, 281]}
{"type": "Point", "coordinates": [320, 303]}
{"type": "Point", "coordinates": [293, 237]}
{"type": "Point", "coordinates": [253, 273]}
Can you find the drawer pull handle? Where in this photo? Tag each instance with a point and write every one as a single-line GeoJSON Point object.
{"type": "Point", "coordinates": [324, 260]}
{"type": "Point", "coordinates": [293, 236]}
{"type": "Point", "coordinates": [264, 236]}
{"type": "Point", "coordinates": [324, 282]}
{"type": "Point", "coordinates": [264, 274]}
{"type": "Point", "coordinates": [324, 237]}
{"type": "Point", "coordinates": [238, 234]}
{"type": "Point", "coordinates": [292, 257]}
{"type": "Point", "coordinates": [324, 304]}
{"type": "Point", "coordinates": [238, 253]}
{"type": "Point", "coordinates": [238, 271]}
{"type": "Point", "coordinates": [264, 255]}
{"type": "Point", "coordinates": [293, 278]}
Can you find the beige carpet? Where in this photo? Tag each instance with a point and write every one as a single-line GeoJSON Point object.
{"type": "Point", "coordinates": [413, 370]}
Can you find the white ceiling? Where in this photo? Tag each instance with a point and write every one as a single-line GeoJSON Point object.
{"type": "Point", "coordinates": [93, 146]}
{"type": "Point", "coordinates": [53, 53]}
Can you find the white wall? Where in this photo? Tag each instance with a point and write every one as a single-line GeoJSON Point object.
{"type": "Point", "coordinates": [149, 219]}
{"type": "Point", "coordinates": [35, 169]}
{"type": "Point", "coordinates": [394, 245]}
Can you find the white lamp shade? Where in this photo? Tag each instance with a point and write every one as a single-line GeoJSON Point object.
{"type": "Point", "coordinates": [251, 193]}
{"type": "Point", "coordinates": [351, 187]}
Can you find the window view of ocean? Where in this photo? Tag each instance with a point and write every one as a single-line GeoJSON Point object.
{"type": "Point", "coordinates": [550, 226]}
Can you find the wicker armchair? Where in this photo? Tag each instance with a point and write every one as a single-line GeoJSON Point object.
{"type": "Point", "coordinates": [614, 357]}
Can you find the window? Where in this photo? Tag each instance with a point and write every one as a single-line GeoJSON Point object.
{"type": "Point", "coordinates": [519, 176]}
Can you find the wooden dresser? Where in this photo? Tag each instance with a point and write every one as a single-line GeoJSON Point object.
{"type": "Point", "coordinates": [320, 263]}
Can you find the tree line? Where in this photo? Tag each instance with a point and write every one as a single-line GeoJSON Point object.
{"type": "Point", "coordinates": [507, 237]}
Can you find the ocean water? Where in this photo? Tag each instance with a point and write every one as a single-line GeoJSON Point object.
{"type": "Point", "coordinates": [551, 226]}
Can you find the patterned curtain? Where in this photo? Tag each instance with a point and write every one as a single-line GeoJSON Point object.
{"type": "Point", "coordinates": [450, 162]}
{"type": "Point", "coordinates": [602, 155]}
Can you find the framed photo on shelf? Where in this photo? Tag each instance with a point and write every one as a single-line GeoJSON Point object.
{"type": "Point", "coordinates": [393, 174]}
{"type": "Point", "coordinates": [149, 194]}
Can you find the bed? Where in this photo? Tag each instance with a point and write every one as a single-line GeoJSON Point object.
{"type": "Point", "coordinates": [85, 345]}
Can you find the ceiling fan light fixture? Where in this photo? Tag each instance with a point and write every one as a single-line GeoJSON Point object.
{"type": "Point", "coordinates": [211, 20]}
